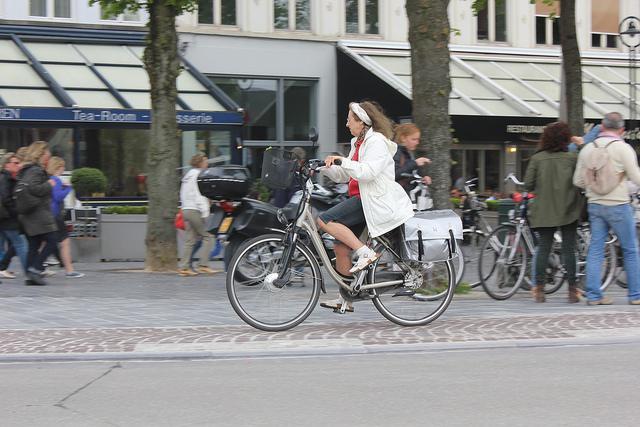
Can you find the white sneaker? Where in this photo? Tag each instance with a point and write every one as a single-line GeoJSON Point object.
{"type": "Point", "coordinates": [5, 274]}
{"type": "Point", "coordinates": [364, 261]}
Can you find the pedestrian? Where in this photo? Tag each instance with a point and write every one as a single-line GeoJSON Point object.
{"type": "Point", "coordinates": [407, 136]}
{"type": "Point", "coordinates": [195, 210]}
{"type": "Point", "coordinates": [375, 199]}
{"type": "Point", "coordinates": [33, 203]}
{"type": "Point", "coordinates": [610, 209]}
{"type": "Point", "coordinates": [556, 205]}
{"type": "Point", "coordinates": [62, 249]}
{"type": "Point", "coordinates": [10, 230]}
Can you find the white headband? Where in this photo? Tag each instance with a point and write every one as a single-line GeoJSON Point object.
{"type": "Point", "coordinates": [359, 111]}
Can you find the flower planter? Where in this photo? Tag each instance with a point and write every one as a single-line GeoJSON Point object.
{"type": "Point", "coordinates": [122, 237]}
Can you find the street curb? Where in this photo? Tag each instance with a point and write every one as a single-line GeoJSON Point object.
{"type": "Point", "coordinates": [325, 351]}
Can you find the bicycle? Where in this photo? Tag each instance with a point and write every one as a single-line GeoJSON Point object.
{"type": "Point", "coordinates": [285, 277]}
{"type": "Point", "coordinates": [506, 249]}
{"type": "Point", "coordinates": [475, 226]}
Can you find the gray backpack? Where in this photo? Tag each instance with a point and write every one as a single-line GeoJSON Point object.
{"type": "Point", "coordinates": [600, 174]}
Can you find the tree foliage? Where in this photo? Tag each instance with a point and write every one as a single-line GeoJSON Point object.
{"type": "Point", "coordinates": [479, 5]}
{"type": "Point", "coordinates": [116, 7]}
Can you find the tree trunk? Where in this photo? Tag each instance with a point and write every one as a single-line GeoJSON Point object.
{"type": "Point", "coordinates": [429, 39]}
{"type": "Point", "coordinates": [162, 64]}
{"type": "Point", "coordinates": [571, 69]}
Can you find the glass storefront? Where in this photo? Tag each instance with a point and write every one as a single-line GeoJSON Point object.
{"type": "Point", "coordinates": [60, 140]}
{"type": "Point", "coordinates": [121, 154]}
{"type": "Point", "coordinates": [278, 112]}
{"type": "Point", "coordinates": [484, 163]}
{"type": "Point", "coordinates": [258, 97]}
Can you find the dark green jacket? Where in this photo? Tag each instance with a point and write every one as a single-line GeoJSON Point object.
{"type": "Point", "coordinates": [41, 220]}
{"type": "Point", "coordinates": [550, 177]}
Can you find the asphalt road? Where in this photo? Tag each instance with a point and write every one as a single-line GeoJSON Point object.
{"type": "Point", "coordinates": [529, 386]}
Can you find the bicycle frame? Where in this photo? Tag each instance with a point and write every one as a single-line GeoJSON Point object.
{"type": "Point", "coordinates": [304, 221]}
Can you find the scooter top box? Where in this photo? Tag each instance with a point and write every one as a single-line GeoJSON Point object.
{"type": "Point", "coordinates": [226, 182]}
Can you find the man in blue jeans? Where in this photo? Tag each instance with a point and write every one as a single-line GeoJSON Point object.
{"type": "Point", "coordinates": [612, 210]}
{"type": "Point", "coordinates": [9, 226]}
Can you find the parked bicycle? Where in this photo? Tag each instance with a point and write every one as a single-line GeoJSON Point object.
{"type": "Point", "coordinates": [475, 227]}
{"type": "Point", "coordinates": [274, 281]}
{"type": "Point", "coordinates": [503, 265]}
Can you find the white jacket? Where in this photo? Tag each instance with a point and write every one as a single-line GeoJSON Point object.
{"type": "Point", "coordinates": [384, 201]}
{"type": "Point", "coordinates": [190, 197]}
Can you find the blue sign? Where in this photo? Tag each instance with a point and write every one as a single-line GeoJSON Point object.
{"type": "Point", "coordinates": [114, 115]}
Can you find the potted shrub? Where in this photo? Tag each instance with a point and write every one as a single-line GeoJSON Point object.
{"type": "Point", "coordinates": [88, 182]}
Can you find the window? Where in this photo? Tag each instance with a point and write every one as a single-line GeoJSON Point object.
{"type": "Point", "coordinates": [128, 16]}
{"type": "Point", "coordinates": [361, 16]}
{"type": "Point", "coordinates": [604, 23]}
{"type": "Point", "coordinates": [292, 15]}
{"type": "Point", "coordinates": [492, 21]}
{"type": "Point", "coordinates": [50, 8]}
{"type": "Point", "coordinates": [604, 40]}
{"type": "Point", "coordinates": [277, 110]}
{"type": "Point", "coordinates": [217, 12]}
{"type": "Point", "coordinates": [547, 30]}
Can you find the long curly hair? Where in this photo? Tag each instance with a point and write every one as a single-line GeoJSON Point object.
{"type": "Point", "coordinates": [555, 137]}
{"type": "Point", "coordinates": [379, 121]}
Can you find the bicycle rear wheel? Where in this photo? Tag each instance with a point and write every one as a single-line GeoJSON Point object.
{"type": "Point", "coordinates": [459, 263]}
{"type": "Point", "coordinates": [415, 305]}
{"type": "Point", "coordinates": [255, 294]}
{"type": "Point", "coordinates": [503, 262]}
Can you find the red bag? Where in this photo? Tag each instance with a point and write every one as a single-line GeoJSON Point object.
{"type": "Point", "coordinates": [179, 221]}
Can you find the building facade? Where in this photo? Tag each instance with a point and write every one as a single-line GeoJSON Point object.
{"type": "Point", "coordinates": [505, 69]}
{"type": "Point", "coordinates": [295, 64]}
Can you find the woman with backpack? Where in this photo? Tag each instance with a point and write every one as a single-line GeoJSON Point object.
{"type": "Point", "coordinates": [557, 204]}
{"type": "Point", "coordinates": [32, 195]}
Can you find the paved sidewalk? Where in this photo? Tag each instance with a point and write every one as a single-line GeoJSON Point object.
{"type": "Point", "coordinates": [117, 311]}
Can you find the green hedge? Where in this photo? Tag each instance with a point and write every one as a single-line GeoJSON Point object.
{"type": "Point", "coordinates": [125, 210]}
{"type": "Point", "coordinates": [492, 205]}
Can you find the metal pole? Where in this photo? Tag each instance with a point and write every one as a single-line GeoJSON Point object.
{"type": "Point", "coordinates": [632, 95]}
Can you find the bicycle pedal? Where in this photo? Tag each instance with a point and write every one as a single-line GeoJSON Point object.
{"type": "Point", "coordinates": [404, 293]}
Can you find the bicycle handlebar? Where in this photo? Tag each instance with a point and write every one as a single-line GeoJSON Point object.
{"type": "Point", "coordinates": [512, 177]}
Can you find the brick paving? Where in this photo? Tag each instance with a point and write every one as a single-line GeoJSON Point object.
{"type": "Point", "coordinates": [209, 338]}
{"type": "Point", "coordinates": [117, 311]}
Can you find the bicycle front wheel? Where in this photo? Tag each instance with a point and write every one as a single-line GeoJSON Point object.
{"type": "Point", "coordinates": [255, 292]}
{"type": "Point", "coordinates": [413, 303]}
{"type": "Point", "coordinates": [503, 262]}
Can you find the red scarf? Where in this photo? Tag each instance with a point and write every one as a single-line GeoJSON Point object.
{"type": "Point", "coordinates": [354, 188]}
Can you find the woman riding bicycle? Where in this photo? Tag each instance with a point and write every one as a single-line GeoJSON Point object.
{"type": "Point", "coordinates": [375, 199]}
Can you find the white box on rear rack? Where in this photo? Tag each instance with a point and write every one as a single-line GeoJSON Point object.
{"type": "Point", "coordinates": [434, 229]}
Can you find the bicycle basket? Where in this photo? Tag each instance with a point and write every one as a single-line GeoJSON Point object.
{"type": "Point", "coordinates": [278, 168]}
